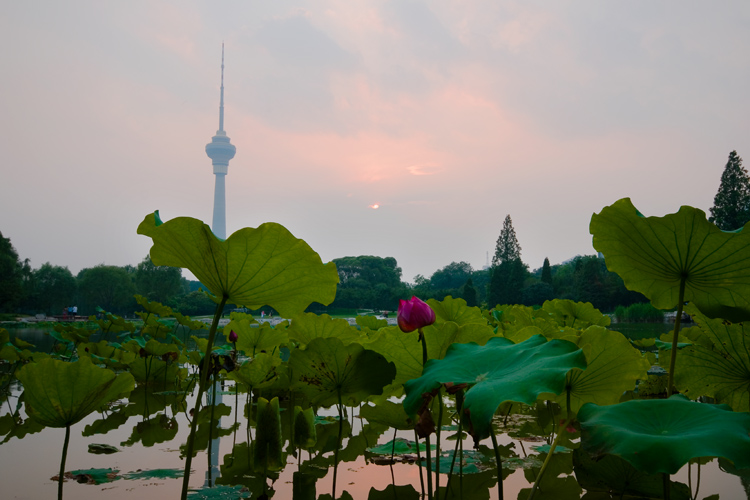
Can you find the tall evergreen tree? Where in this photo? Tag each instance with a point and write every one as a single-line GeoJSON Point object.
{"type": "Point", "coordinates": [546, 272]}
{"type": "Point", "coordinates": [507, 248]}
{"type": "Point", "coordinates": [731, 208]}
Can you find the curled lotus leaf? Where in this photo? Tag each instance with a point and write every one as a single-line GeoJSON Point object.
{"type": "Point", "coordinates": [253, 267]}
{"type": "Point", "coordinates": [59, 394]}
{"type": "Point", "coordinates": [662, 435]}
{"type": "Point", "coordinates": [457, 311]}
{"type": "Point", "coordinates": [497, 372]}
{"type": "Point", "coordinates": [653, 255]}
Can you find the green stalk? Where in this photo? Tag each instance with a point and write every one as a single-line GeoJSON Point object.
{"type": "Point", "coordinates": [427, 438]}
{"type": "Point", "coordinates": [201, 389]}
{"type": "Point", "coordinates": [419, 460]}
{"type": "Point", "coordinates": [210, 429]}
{"type": "Point", "coordinates": [560, 432]}
{"type": "Point", "coordinates": [459, 440]}
{"type": "Point", "coordinates": [437, 438]}
{"type": "Point", "coordinates": [665, 482]}
{"type": "Point", "coordinates": [338, 444]}
{"type": "Point", "coordinates": [62, 463]}
{"type": "Point", "coordinates": [498, 463]}
{"type": "Point", "coordinates": [673, 357]}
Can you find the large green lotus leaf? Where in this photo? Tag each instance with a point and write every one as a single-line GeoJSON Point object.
{"type": "Point", "coordinates": [575, 314]}
{"type": "Point", "coordinates": [497, 372]}
{"type": "Point", "coordinates": [613, 367]}
{"type": "Point", "coordinates": [662, 435]}
{"type": "Point", "coordinates": [258, 372]}
{"type": "Point", "coordinates": [723, 371]}
{"type": "Point", "coordinates": [370, 322]}
{"type": "Point", "coordinates": [309, 326]}
{"type": "Point", "coordinates": [456, 310]}
{"type": "Point", "coordinates": [403, 350]}
{"type": "Point", "coordinates": [445, 334]}
{"type": "Point", "coordinates": [652, 254]}
{"type": "Point", "coordinates": [512, 319]}
{"type": "Point", "coordinates": [252, 268]}
{"type": "Point", "coordinates": [255, 339]}
{"type": "Point", "coordinates": [387, 413]}
{"type": "Point", "coordinates": [328, 369]}
{"type": "Point", "coordinates": [58, 394]}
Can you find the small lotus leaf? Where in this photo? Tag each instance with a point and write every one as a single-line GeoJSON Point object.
{"type": "Point", "coordinates": [58, 394]}
{"type": "Point", "coordinates": [258, 372]}
{"type": "Point", "coordinates": [252, 268]}
{"type": "Point", "coordinates": [309, 326]}
{"type": "Point", "coordinates": [497, 372]}
{"type": "Point", "coordinates": [575, 314]}
{"type": "Point", "coordinates": [653, 254]}
{"type": "Point", "coordinates": [371, 322]}
{"type": "Point", "coordinates": [253, 338]}
{"type": "Point", "coordinates": [662, 435]}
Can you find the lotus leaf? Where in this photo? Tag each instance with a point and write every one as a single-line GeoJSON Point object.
{"type": "Point", "coordinates": [497, 372]}
{"type": "Point", "coordinates": [370, 322]}
{"type": "Point", "coordinates": [153, 307]}
{"type": "Point", "coordinates": [722, 371]}
{"type": "Point", "coordinates": [304, 428]}
{"type": "Point", "coordinates": [575, 314]}
{"type": "Point", "coordinates": [654, 255]}
{"type": "Point", "coordinates": [252, 268]}
{"type": "Point", "coordinates": [309, 326]}
{"type": "Point", "coordinates": [253, 338]}
{"type": "Point", "coordinates": [329, 372]}
{"type": "Point", "coordinates": [613, 366]}
{"type": "Point", "coordinates": [456, 311]}
{"type": "Point", "coordinates": [258, 372]}
{"type": "Point", "coordinates": [387, 413]}
{"type": "Point", "coordinates": [59, 394]}
{"type": "Point", "coordinates": [662, 435]}
{"type": "Point", "coordinates": [399, 446]}
{"type": "Point", "coordinates": [511, 319]}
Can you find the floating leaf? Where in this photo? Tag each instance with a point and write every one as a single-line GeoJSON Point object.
{"type": "Point", "coordinates": [58, 394]}
{"type": "Point", "coordinates": [654, 254]}
{"type": "Point", "coordinates": [252, 268]}
{"type": "Point", "coordinates": [92, 476]}
{"type": "Point", "coordinates": [154, 474]}
{"type": "Point", "coordinates": [662, 435]}
{"type": "Point", "coordinates": [328, 370]}
{"type": "Point", "coordinates": [218, 493]}
{"type": "Point", "coordinates": [497, 372]}
{"type": "Point", "coordinates": [102, 449]}
{"type": "Point", "coordinates": [399, 446]}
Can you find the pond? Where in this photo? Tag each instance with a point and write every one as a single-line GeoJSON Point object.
{"type": "Point", "coordinates": [150, 427]}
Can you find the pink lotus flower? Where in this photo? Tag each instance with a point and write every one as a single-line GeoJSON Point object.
{"type": "Point", "coordinates": [232, 336]}
{"type": "Point", "coordinates": [414, 314]}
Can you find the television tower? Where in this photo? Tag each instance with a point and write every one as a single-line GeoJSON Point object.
{"type": "Point", "coordinates": [220, 151]}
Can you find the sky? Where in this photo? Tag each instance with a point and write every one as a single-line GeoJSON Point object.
{"type": "Point", "coordinates": [448, 115]}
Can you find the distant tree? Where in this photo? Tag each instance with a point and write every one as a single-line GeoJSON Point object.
{"type": "Point", "coordinates": [506, 283]}
{"type": "Point", "coordinates": [546, 272]}
{"type": "Point", "coordinates": [195, 303]}
{"type": "Point", "coordinates": [731, 208]}
{"type": "Point", "coordinates": [537, 293]}
{"type": "Point", "coordinates": [507, 247]}
{"type": "Point", "coordinates": [108, 287]}
{"type": "Point", "coordinates": [451, 276]}
{"type": "Point", "coordinates": [54, 287]}
{"type": "Point", "coordinates": [159, 283]}
{"type": "Point", "coordinates": [469, 293]}
{"type": "Point", "coordinates": [11, 276]}
{"type": "Point", "coordinates": [368, 282]}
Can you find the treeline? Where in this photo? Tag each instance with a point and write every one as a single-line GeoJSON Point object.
{"type": "Point", "coordinates": [367, 282]}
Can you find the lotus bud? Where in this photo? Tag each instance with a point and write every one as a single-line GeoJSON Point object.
{"type": "Point", "coordinates": [232, 336]}
{"type": "Point", "coordinates": [414, 314]}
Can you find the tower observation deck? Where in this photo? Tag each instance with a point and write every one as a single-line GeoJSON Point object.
{"type": "Point", "coordinates": [220, 150]}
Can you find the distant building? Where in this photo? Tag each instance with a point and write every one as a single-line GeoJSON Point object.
{"type": "Point", "coordinates": [220, 151]}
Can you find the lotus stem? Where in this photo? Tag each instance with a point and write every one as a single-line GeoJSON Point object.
{"type": "Point", "coordinates": [393, 448]}
{"type": "Point", "coordinates": [437, 439]}
{"type": "Point", "coordinates": [424, 347]}
{"type": "Point", "coordinates": [560, 432]}
{"type": "Point", "coordinates": [338, 445]}
{"type": "Point", "coordinates": [419, 459]}
{"type": "Point", "coordinates": [459, 441]}
{"type": "Point", "coordinates": [673, 357]}
{"type": "Point", "coordinates": [498, 464]}
{"type": "Point", "coordinates": [210, 429]}
{"type": "Point", "coordinates": [201, 389]}
{"type": "Point", "coordinates": [665, 482]}
{"type": "Point", "coordinates": [61, 478]}
{"type": "Point", "coordinates": [429, 467]}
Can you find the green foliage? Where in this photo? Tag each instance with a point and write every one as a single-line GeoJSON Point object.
{"type": "Point", "coordinates": [451, 276]}
{"type": "Point", "coordinates": [267, 454]}
{"type": "Point", "coordinates": [59, 394]}
{"type": "Point", "coordinates": [654, 255]}
{"type": "Point", "coordinates": [639, 313]}
{"type": "Point", "coordinates": [368, 282]}
{"type": "Point", "coordinates": [469, 294]}
{"type": "Point", "coordinates": [662, 435]}
{"type": "Point", "coordinates": [497, 372]}
{"type": "Point", "coordinates": [546, 272]}
{"type": "Point", "coordinates": [53, 287]}
{"type": "Point", "coordinates": [507, 248]}
{"type": "Point", "coordinates": [506, 282]}
{"type": "Point", "coordinates": [157, 283]}
{"type": "Point", "coordinates": [252, 268]}
{"type": "Point", "coordinates": [108, 287]}
{"type": "Point", "coordinates": [12, 272]}
{"type": "Point", "coordinates": [731, 208]}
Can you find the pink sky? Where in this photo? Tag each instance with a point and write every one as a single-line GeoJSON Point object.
{"type": "Point", "coordinates": [449, 115]}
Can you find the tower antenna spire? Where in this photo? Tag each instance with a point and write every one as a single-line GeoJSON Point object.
{"type": "Point", "coordinates": [221, 101]}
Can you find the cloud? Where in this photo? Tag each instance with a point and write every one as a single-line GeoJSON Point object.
{"type": "Point", "coordinates": [424, 169]}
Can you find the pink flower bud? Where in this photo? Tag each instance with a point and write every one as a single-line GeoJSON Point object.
{"type": "Point", "coordinates": [414, 314]}
{"type": "Point", "coordinates": [232, 336]}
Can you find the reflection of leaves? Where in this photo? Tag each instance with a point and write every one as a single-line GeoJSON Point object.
{"type": "Point", "coordinates": [399, 446]}
{"type": "Point", "coordinates": [387, 413]}
{"type": "Point", "coordinates": [154, 474]}
{"type": "Point", "coordinates": [101, 448]}
{"type": "Point", "coordinates": [218, 493]}
{"type": "Point", "coordinates": [236, 469]}
{"type": "Point", "coordinates": [208, 430]}
{"type": "Point", "coordinates": [612, 474]}
{"type": "Point", "coordinates": [152, 431]}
